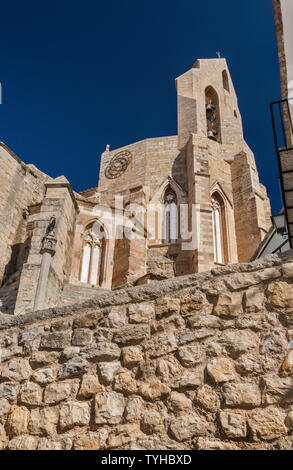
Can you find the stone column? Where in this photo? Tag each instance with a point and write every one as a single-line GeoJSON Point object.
{"type": "Point", "coordinates": [48, 251]}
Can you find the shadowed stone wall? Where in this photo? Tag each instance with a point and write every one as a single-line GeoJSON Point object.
{"type": "Point", "coordinates": [21, 186]}
{"type": "Point", "coordinates": [196, 362]}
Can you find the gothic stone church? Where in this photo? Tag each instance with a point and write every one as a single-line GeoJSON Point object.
{"type": "Point", "coordinates": [50, 251]}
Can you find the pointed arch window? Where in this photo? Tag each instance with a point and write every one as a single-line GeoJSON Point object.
{"type": "Point", "coordinates": [225, 81]}
{"type": "Point", "coordinates": [219, 229]}
{"type": "Point", "coordinates": [170, 224]}
{"type": "Point", "coordinates": [92, 254]}
{"type": "Point", "coordinates": [213, 114]}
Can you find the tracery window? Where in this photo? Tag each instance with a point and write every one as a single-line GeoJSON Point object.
{"type": "Point", "coordinates": [92, 254]}
{"type": "Point", "coordinates": [225, 81]}
{"type": "Point", "coordinates": [170, 224]}
{"type": "Point", "coordinates": [219, 229]}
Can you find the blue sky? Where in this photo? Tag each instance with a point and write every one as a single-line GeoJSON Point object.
{"type": "Point", "coordinates": [77, 75]}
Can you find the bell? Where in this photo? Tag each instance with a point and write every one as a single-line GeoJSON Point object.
{"type": "Point", "coordinates": [211, 135]}
{"type": "Point", "coordinates": [210, 110]}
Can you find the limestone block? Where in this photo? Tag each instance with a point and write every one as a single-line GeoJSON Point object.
{"type": "Point", "coordinates": [167, 306]}
{"type": "Point", "coordinates": [124, 434]}
{"type": "Point", "coordinates": [134, 409]}
{"type": "Point", "coordinates": [229, 305]}
{"type": "Point", "coordinates": [156, 442]}
{"type": "Point", "coordinates": [207, 398]}
{"type": "Point", "coordinates": [109, 408]}
{"type": "Point", "coordinates": [287, 365]}
{"type": "Point", "coordinates": [241, 395]}
{"type": "Point", "coordinates": [280, 295]}
{"type": "Point", "coordinates": [274, 343]}
{"type": "Point", "coordinates": [284, 443]}
{"type": "Point", "coordinates": [4, 409]}
{"type": "Point", "coordinates": [55, 443]}
{"type": "Point", "coordinates": [251, 364]}
{"type": "Point", "coordinates": [23, 443]}
{"type": "Point", "coordinates": [56, 392]}
{"type": "Point", "coordinates": [255, 321]}
{"type": "Point", "coordinates": [289, 420]}
{"type": "Point", "coordinates": [179, 402]}
{"type": "Point", "coordinates": [215, 444]}
{"type": "Point", "coordinates": [267, 423]}
{"type": "Point", "coordinates": [132, 335]}
{"type": "Point", "coordinates": [9, 391]}
{"type": "Point", "coordinates": [91, 440]}
{"type": "Point", "coordinates": [253, 300]}
{"type": "Point", "coordinates": [43, 358]}
{"type": "Point", "coordinates": [233, 424]}
{"type": "Point", "coordinates": [31, 394]}
{"type": "Point", "coordinates": [90, 385]}
{"type": "Point", "coordinates": [61, 325]}
{"type": "Point", "coordinates": [238, 342]}
{"type": "Point", "coordinates": [103, 334]}
{"type": "Point", "coordinates": [190, 355]}
{"type": "Point", "coordinates": [191, 304]}
{"type": "Point", "coordinates": [43, 421]}
{"type": "Point", "coordinates": [108, 370]}
{"type": "Point", "coordinates": [82, 337]}
{"type": "Point", "coordinates": [205, 321]}
{"type": "Point", "coordinates": [11, 352]}
{"type": "Point", "coordinates": [45, 376]}
{"type": "Point", "coordinates": [132, 356]}
{"type": "Point", "coordinates": [168, 368]}
{"type": "Point", "coordinates": [117, 317]}
{"type": "Point", "coordinates": [154, 390]}
{"type": "Point", "coordinates": [30, 334]}
{"type": "Point", "coordinates": [56, 341]}
{"type": "Point", "coordinates": [69, 353]}
{"type": "Point", "coordinates": [16, 370]}
{"type": "Point", "coordinates": [141, 313]}
{"type": "Point", "coordinates": [125, 383]}
{"type": "Point", "coordinates": [221, 370]}
{"type": "Point", "coordinates": [152, 422]}
{"type": "Point", "coordinates": [287, 271]}
{"type": "Point", "coordinates": [73, 368]}
{"type": "Point", "coordinates": [74, 413]}
{"type": "Point", "coordinates": [277, 390]}
{"type": "Point", "coordinates": [187, 336]}
{"type": "Point", "coordinates": [162, 344]}
{"type": "Point", "coordinates": [3, 438]}
{"type": "Point", "coordinates": [189, 379]}
{"type": "Point", "coordinates": [243, 280]}
{"type": "Point", "coordinates": [17, 421]}
{"type": "Point", "coordinates": [90, 320]}
{"type": "Point", "coordinates": [187, 426]}
{"type": "Point", "coordinates": [105, 352]}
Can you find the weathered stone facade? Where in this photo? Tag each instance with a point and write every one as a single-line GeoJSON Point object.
{"type": "Point", "coordinates": [207, 169]}
{"type": "Point", "coordinates": [198, 362]}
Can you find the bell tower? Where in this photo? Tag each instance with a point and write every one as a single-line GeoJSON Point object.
{"type": "Point", "coordinates": [220, 167]}
{"type": "Point", "coordinates": [207, 103]}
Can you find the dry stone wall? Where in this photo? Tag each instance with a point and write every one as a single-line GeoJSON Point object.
{"type": "Point", "coordinates": [197, 362]}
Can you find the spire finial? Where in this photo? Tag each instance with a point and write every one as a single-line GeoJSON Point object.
{"type": "Point", "coordinates": [107, 148]}
{"type": "Point", "coordinates": [219, 54]}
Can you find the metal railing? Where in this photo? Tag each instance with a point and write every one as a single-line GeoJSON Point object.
{"type": "Point", "coordinates": [283, 139]}
{"type": "Point", "coordinates": [282, 124]}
